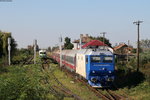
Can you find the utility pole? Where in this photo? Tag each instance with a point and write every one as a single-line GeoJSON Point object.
{"type": "Point", "coordinates": [80, 41]}
{"type": "Point", "coordinates": [60, 48]}
{"type": "Point", "coordinates": [138, 42]}
{"type": "Point", "coordinates": [9, 49]}
{"type": "Point", "coordinates": [103, 38]}
{"type": "Point", "coordinates": [35, 44]}
{"type": "Point", "coordinates": [128, 52]}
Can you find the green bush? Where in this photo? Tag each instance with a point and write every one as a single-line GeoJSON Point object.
{"type": "Point", "coordinates": [24, 83]}
{"type": "Point", "coordinates": [21, 56]}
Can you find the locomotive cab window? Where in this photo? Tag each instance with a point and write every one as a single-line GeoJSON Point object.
{"type": "Point", "coordinates": [108, 59]}
{"type": "Point", "coordinates": [96, 59]}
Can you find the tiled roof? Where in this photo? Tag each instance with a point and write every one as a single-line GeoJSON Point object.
{"type": "Point", "coordinates": [94, 43]}
{"type": "Point", "coordinates": [119, 46]}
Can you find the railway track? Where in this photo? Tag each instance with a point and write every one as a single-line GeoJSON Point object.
{"type": "Point", "coordinates": [58, 86]}
{"type": "Point", "coordinates": [109, 95]}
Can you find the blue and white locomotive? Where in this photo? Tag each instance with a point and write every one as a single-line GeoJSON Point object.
{"type": "Point", "coordinates": [96, 65]}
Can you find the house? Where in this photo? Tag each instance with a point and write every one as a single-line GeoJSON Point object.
{"type": "Point", "coordinates": [84, 39]}
{"type": "Point", "coordinates": [122, 51]}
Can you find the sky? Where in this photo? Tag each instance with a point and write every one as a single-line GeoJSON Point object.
{"type": "Point", "coordinates": [47, 20]}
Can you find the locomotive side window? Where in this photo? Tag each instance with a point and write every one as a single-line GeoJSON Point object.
{"type": "Point", "coordinates": [108, 59]}
{"type": "Point", "coordinates": [95, 59]}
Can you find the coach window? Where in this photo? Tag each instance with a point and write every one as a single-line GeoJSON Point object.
{"type": "Point", "coordinates": [67, 58]}
{"type": "Point", "coordinates": [108, 59]}
{"type": "Point", "coordinates": [72, 60]}
{"type": "Point", "coordinates": [63, 57]}
{"type": "Point", "coordinates": [96, 59]}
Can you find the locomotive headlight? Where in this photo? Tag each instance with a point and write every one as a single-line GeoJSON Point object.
{"type": "Point", "coordinates": [93, 79]}
{"type": "Point", "coordinates": [109, 71]}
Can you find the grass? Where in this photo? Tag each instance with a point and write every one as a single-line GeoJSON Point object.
{"type": "Point", "coordinates": [76, 87]}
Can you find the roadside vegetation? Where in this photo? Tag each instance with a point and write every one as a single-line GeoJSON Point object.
{"type": "Point", "coordinates": [135, 84]}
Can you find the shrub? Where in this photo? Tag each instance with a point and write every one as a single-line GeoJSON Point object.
{"type": "Point", "coordinates": [23, 83]}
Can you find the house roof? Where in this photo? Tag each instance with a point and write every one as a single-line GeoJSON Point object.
{"type": "Point", "coordinates": [120, 46]}
{"type": "Point", "coordinates": [94, 43]}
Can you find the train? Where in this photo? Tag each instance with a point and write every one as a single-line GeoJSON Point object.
{"type": "Point", "coordinates": [96, 65]}
{"type": "Point", "coordinates": [42, 54]}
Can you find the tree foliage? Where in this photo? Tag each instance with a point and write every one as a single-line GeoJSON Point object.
{"type": "Point", "coordinates": [55, 48]}
{"type": "Point", "coordinates": [49, 49]}
{"type": "Point", "coordinates": [4, 44]}
{"type": "Point", "coordinates": [68, 44]}
{"type": "Point", "coordinates": [106, 41]}
{"type": "Point", "coordinates": [1, 44]}
{"type": "Point", "coordinates": [145, 43]}
{"type": "Point", "coordinates": [21, 55]}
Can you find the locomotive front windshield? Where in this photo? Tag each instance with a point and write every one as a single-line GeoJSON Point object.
{"type": "Point", "coordinates": [108, 59]}
{"type": "Point", "coordinates": [101, 59]}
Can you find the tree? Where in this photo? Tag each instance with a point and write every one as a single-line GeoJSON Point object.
{"type": "Point", "coordinates": [4, 44]}
{"type": "Point", "coordinates": [68, 44]}
{"type": "Point", "coordinates": [55, 48]}
{"type": "Point", "coordinates": [145, 44]}
{"type": "Point", "coordinates": [1, 44]}
{"type": "Point", "coordinates": [106, 41]}
{"type": "Point", "coordinates": [49, 49]}
{"type": "Point", "coordinates": [13, 46]}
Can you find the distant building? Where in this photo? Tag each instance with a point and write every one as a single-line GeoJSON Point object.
{"type": "Point", "coordinates": [84, 39]}
{"type": "Point", "coordinates": [123, 50]}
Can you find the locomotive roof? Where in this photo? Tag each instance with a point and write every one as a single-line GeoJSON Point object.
{"type": "Point", "coordinates": [95, 51]}
{"type": "Point", "coordinates": [87, 52]}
